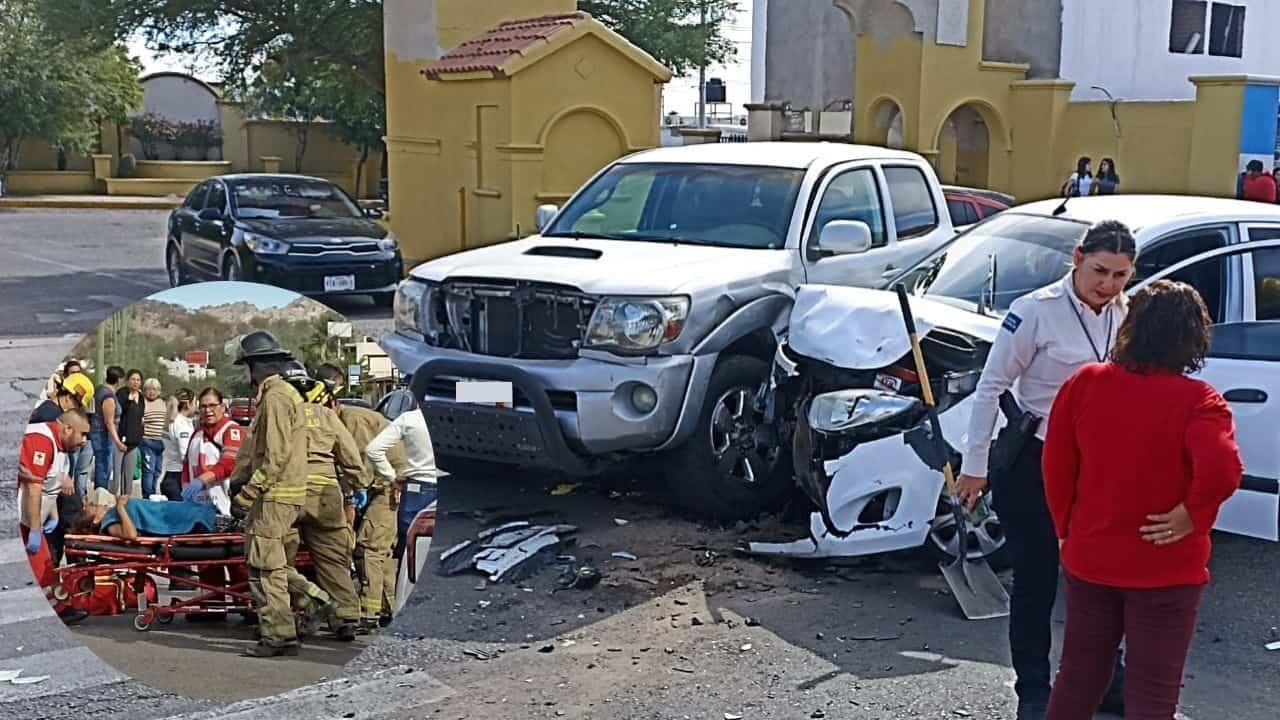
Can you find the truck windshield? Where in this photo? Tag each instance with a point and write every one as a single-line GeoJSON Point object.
{"type": "Point", "coordinates": [701, 204]}
{"type": "Point", "coordinates": [1031, 251]}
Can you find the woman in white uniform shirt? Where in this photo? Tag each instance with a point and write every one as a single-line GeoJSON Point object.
{"type": "Point", "coordinates": [1046, 336]}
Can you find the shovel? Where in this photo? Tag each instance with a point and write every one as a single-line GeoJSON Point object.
{"type": "Point", "coordinates": [973, 583]}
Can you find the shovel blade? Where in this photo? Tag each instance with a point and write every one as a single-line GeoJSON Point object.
{"type": "Point", "coordinates": [975, 586]}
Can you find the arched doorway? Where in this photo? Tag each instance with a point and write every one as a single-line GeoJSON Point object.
{"type": "Point", "coordinates": [964, 148]}
{"type": "Point", "coordinates": [886, 121]}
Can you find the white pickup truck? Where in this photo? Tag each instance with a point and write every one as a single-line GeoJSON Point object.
{"type": "Point", "coordinates": [640, 319]}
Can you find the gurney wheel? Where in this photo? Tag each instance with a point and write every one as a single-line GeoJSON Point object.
{"type": "Point", "coordinates": [164, 618]}
{"type": "Point", "coordinates": [142, 621]}
{"type": "Point", "coordinates": [60, 593]}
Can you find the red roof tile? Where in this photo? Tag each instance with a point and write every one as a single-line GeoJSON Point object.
{"type": "Point", "coordinates": [493, 50]}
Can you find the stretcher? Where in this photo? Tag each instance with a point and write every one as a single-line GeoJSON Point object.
{"type": "Point", "coordinates": [140, 562]}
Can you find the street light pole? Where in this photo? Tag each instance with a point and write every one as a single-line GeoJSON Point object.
{"type": "Point", "coordinates": [702, 66]}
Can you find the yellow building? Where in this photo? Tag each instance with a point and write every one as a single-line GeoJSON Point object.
{"type": "Point", "coordinates": [922, 82]}
{"type": "Point", "coordinates": [528, 102]}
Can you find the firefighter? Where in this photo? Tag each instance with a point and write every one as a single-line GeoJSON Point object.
{"type": "Point", "coordinates": [376, 530]}
{"type": "Point", "coordinates": [335, 476]}
{"type": "Point", "coordinates": [271, 499]}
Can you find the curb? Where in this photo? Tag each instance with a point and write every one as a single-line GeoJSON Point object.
{"type": "Point", "coordinates": [71, 203]}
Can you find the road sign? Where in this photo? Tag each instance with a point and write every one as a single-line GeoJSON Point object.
{"type": "Point", "coordinates": [340, 329]}
{"type": "Point", "coordinates": [197, 357]}
{"type": "Point", "coordinates": [353, 374]}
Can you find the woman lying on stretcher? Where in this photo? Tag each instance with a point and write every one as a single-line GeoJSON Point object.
{"type": "Point", "coordinates": [132, 518]}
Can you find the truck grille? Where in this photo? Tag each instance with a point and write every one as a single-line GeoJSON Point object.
{"type": "Point", "coordinates": [516, 319]}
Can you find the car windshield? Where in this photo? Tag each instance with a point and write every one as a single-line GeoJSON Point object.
{"type": "Point", "coordinates": [701, 204]}
{"type": "Point", "coordinates": [1030, 252]}
{"type": "Point", "coordinates": [291, 199]}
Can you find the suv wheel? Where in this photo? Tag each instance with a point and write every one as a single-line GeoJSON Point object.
{"type": "Point", "coordinates": [231, 271]}
{"type": "Point", "coordinates": [725, 471]}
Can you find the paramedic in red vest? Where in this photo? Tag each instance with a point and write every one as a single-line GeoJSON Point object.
{"type": "Point", "coordinates": [211, 454]}
{"type": "Point", "coordinates": [43, 468]}
{"type": "Point", "coordinates": [1258, 185]}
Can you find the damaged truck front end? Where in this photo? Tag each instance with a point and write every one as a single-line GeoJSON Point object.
{"type": "Point", "coordinates": [851, 408]}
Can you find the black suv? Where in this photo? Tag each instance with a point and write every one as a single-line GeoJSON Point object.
{"type": "Point", "coordinates": [295, 232]}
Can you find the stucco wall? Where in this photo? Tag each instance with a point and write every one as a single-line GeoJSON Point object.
{"type": "Point", "coordinates": [1025, 31]}
{"type": "Point", "coordinates": [809, 55]}
{"type": "Point", "coordinates": [1124, 47]}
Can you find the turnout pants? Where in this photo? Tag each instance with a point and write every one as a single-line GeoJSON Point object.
{"type": "Point", "coordinates": [376, 539]}
{"type": "Point", "coordinates": [1018, 497]}
{"type": "Point", "coordinates": [323, 527]}
{"type": "Point", "coordinates": [269, 524]}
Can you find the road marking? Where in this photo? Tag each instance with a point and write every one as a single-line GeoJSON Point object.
{"type": "Point", "coordinates": [374, 694]}
{"type": "Point", "coordinates": [70, 669]}
{"type": "Point", "coordinates": [24, 605]}
{"type": "Point", "coordinates": [72, 266]}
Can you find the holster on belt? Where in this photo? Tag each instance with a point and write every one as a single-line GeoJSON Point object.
{"type": "Point", "coordinates": [1014, 435]}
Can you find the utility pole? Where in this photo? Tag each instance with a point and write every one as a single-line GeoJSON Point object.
{"type": "Point", "coordinates": [702, 66]}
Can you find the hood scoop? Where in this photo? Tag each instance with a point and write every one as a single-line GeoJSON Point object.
{"type": "Point", "coordinates": [580, 253]}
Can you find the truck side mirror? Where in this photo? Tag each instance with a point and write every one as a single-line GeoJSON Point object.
{"type": "Point", "coordinates": [543, 215]}
{"type": "Point", "coordinates": [845, 237]}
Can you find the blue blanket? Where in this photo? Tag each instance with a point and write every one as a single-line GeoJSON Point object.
{"type": "Point", "coordinates": [155, 517]}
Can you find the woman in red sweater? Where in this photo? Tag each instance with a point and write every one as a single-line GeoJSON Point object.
{"type": "Point", "coordinates": [1134, 489]}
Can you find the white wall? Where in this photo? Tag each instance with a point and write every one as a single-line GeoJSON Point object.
{"type": "Point", "coordinates": [1123, 45]}
{"type": "Point", "coordinates": [179, 99]}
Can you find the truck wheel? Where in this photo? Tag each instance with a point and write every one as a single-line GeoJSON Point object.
{"type": "Point", "coordinates": [724, 471]}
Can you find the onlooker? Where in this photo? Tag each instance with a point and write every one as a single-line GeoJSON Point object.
{"type": "Point", "coordinates": [1134, 489]}
{"type": "Point", "coordinates": [130, 431]}
{"type": "Point", "coordinates": [1081, 181]}
{"type": "Point", "coordinates": [103, 424]}
{"type": "Point", "coordinates": [1275, 175]}
{"type": "Point", "coordinates": [75, 381]}
{"type": "Point", "coordinates": [1258, 185]}
{"type": "Point", "coordinates": [155, 416]}
{"type": "Point", "coordinates": [52, 409]}
{"type": "Point", "coordinates": [177, 438]}
{"type": "Point", "coordinates": [1108, 180]}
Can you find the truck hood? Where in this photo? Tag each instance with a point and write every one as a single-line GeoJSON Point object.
{"type": "Point", "coordinates": [609, 267]}
{"type": "Point", "coordinates": [863, 329]}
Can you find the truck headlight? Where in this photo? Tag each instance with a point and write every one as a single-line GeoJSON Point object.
{"type": "Point", "coordinates": [407, 306]}
{"type": "Point", "coordinates": [264, 245]}
{"type": "Point", "coordinates": [848, 409]}
{"type": "Point", "coordinates": [636, 323]}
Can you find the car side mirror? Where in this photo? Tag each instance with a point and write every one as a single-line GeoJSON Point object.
{"type": "Point", "coordinates": [210, 215]}
{"type": "Point", "coordinates": [373, 212]}
{"type": "Point", "coordinates": [845, 237]}
{"type": "Point", "coordinates": [542, 217]}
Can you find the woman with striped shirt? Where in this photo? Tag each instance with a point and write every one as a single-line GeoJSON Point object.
{"type": "Point", "coordinates": [155, 416]}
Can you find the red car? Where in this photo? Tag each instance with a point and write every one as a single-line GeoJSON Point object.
{"type": "Point", "coordinates": [970, 205]}
{"type": "Point", "coordinates": [242, 410]}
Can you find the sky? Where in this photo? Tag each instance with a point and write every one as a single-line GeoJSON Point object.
{"type": "Point", "coordinates": [221, 293]}
{"type": "Point", "coordinates": [680, 95]}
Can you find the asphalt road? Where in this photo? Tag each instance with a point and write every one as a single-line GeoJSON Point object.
{"type": "Point", "coordinates": [62, 272]}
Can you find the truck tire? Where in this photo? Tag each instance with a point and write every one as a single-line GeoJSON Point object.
{"type": "Point", "coordinates": [722, 472]}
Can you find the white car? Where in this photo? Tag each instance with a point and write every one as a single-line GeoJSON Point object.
{"type": "Point", "coordinates": [876, 493]}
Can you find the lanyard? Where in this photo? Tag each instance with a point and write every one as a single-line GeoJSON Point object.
{"type": "Point", "coordinates": [1083, 328]}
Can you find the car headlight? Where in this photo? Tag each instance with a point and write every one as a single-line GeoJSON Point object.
{"type": "Point", "coordinates": [848, 409]}
{"type": "Point", "coordinates": [388, 243]}
{"type": "Point", "coordinates": [634, 324]}
{"type": "Point", "coordinates": [406, 306]}
{"type": "Point", "coordinates": [264, 245]}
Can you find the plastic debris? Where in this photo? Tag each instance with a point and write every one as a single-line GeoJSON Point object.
{"type": "Point", "coordinates": [621, 555]}
{"type": "Point", "coordinates": [1273, 645]}
{"type": "Point", "coordinates": [746, 648]}
{"type": "Point", "coordinates": [620, 522]}
{"type": "Point", "coordinates": [7, 675]}
{"type": "Point", "coordinates": [29, 680]}
{"type": "Point", "coordinates": [565, 489]}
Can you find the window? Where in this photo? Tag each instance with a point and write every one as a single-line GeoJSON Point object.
{"type": "Point", "coordinates": [195, 199]}
{"type": "Point", "coordinates": [962, 212]}
{"type": "Point", "coordinates": [1266, 283]}
{"type": "Point", "coordinates": [852, 195]}
{"type": "Point", "coordinates": [1207, 277]}
{"type": "Point", "coordinates": [1171, 251]}
{"type": "Point", "coordinates": [1226, 30]}
{"type": "Point", "coordinates": [217, 197]}
{"type": "Point", "coordinates": [1186, 27]}
{"type": "Point", "coordinates": [913, 209]}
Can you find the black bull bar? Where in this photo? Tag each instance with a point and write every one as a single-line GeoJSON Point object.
{"type": "Point", "coordinates": [496, 434]}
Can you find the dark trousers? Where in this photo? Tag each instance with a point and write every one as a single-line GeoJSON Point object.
{"type": "Point", "coordinates": [171, 485]}
{"type": "Point", "coordinates": [1018, 497]}
{"type": "Point", "coordinates": [1157, 626]}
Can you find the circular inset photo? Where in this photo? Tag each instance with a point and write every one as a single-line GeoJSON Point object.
{"type": "Point", "coordinates": [210, 498]}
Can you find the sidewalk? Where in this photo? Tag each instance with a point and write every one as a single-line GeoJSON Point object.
{"type": "Point", "coordinates": [91, 202]}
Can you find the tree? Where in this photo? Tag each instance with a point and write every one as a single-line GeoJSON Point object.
{"type": "Point", "coordinates": [285, 92]}
{"type": "Point", "coordinates": [240, 35]}
{"type": "Point", "coordinates": [671, 30]}
{"type": "Point", "coordinates": [54, 88]}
